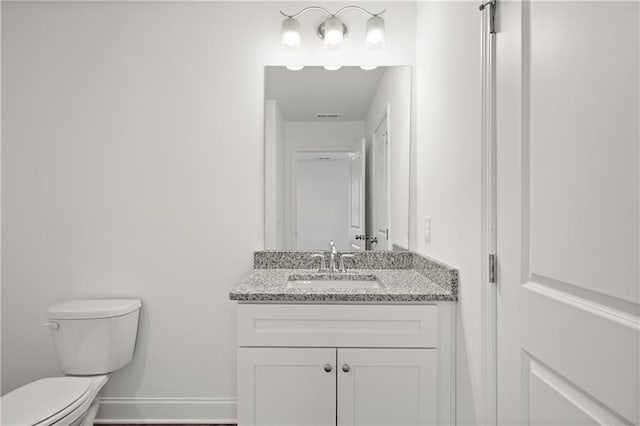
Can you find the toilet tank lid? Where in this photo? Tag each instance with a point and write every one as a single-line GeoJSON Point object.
{"type": "Point", "coordinates": [93, 308]}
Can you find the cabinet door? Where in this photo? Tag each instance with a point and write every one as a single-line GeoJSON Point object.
{"type": "Point", "coordinates": [286, 386]}
{"type": "Point", "coordinates": [391, 387]}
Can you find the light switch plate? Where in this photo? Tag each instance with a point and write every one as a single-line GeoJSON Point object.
{"type": "Point", "coordinates": [427, 229]}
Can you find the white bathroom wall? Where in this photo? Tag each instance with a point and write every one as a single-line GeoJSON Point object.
{"type": "Point", "coordinates": [393, 93]}
{"type": "Point", "coordinates": [330, 136]}
{"type": "Point", "coordinates": [279, 178]}
{"type": "Point", "coordinates": [274, 175]}
{"type": "Point", "coordinates": [132, 166]}
{"type": "Point", "coordinates": [448, 172]}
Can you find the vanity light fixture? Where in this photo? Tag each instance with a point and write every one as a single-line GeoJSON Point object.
{"type": "Point", "coordinates": [290, 33]}
{"type": "Point", "coordinates": [375, 32]}
{"type": "Point", "coordinates": [295, 67]}
{"type": "Point", "coordinates": [368, 67]}
{"type": "Point", "coordinates": [333, 31]}
{"type": "Point", "coordinates": [332, 67]}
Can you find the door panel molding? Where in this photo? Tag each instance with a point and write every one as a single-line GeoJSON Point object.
{"type": "Point", "coordinates": [597, 355]}
{"type": "Point", "coordinates": [608, 308]}
{"type": "Point", "coordinates": [578, 398]}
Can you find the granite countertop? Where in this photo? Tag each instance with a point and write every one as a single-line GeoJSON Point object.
{"type": "Point", "coordinates": [396, 285]}
{"type": "Point", "coordinates": [403, 277]}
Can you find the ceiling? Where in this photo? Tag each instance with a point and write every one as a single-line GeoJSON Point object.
{"type": "Point", "coordinates": [301, 95]}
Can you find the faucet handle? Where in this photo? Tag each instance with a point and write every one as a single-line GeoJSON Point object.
{"type": "Point", "coordinates": [323, 264]}
{"type": "Point", "coordinates": [342, 258]}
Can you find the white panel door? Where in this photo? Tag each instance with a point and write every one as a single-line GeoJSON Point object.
{"type": "Point", "coordinates": [357, 196]}
{"type": "Point", "coordinates": [286, 386]}
{"type": "Point", "coordinates": [567, 212]}
{"type": "Point", "coordinates": [387, 387]}
{"type": "Point", "coordinates": [322, 200]}
{"type": "Point", "coordinates": [381, 187]}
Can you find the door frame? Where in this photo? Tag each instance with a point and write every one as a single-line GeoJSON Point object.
{"type": "Point", "coordinates": [489, 309]}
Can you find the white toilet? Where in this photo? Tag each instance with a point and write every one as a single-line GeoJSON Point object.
{"type": "Point", "coordinates": [92, 339]}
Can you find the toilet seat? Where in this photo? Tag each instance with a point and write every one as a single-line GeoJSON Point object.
{"type": "Point", "coordinates": [45, 401]}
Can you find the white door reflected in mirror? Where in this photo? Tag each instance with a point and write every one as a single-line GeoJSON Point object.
{"type": "Point", "coordinates": [323, 199]}
{"type": "Point", "coordinates": [332, 171]}
{"type": "Point", "coordinates": [380, 187]}
{"type": "Point", "coordinates": [357, 196]}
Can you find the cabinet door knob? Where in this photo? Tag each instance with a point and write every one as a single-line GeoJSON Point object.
{"type": "Point", "coordinates": [346, 368]}
{"type": "Point", "coordinates": [327, 368]}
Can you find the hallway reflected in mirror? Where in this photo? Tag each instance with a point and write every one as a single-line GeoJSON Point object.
{"type": "Point", "coordinates": [337, 146]}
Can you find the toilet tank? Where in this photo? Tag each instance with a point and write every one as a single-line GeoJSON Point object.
{"type": "Point", "coordinates": [94, 336]}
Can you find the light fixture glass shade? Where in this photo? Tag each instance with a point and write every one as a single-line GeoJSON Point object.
{"type": "Point", "coordinates": [333, 32]}
{"type": "Point", "coordinates": [375, 32]}
{"type": "Point", "coordinates": [290, 33]}
{"type": "Point", "coordinates": [368, 67]}
{"type": "Point", "coordinates": [332, 67]}
{"type": "Point", "coordinates": [295, 67]}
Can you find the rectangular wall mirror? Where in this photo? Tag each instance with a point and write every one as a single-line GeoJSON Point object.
{"type": "Point", "coordinates": [337, 147]}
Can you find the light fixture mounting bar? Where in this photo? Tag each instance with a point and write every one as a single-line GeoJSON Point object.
{"type": "Point", "coordinates": [322, 9]}
{"type": "Point", "coordinates": [361, 9]}
{"type": "Point", "coordinates": [306, 9]}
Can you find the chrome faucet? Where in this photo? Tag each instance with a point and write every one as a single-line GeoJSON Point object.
{"type": "Point", "coordinates": [323, 265]}
{"type": "Point", "coordinates": [343, 268]}
{"type": "Point", "coordinates": [333, 261]}
{"type": "Point", "coordinates": [333, 252]}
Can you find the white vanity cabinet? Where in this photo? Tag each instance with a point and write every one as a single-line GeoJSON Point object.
{"type": "Point", "coordinates": [286, 386]}
{"type": "Point", "coordinates": [387, 386]}
{"type": "Point", "coordinates": [365, 365]}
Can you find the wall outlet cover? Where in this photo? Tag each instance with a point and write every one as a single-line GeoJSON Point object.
{"type": "Point", "coordinates": [427, 229]}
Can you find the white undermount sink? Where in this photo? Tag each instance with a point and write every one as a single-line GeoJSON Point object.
{"type": "Point", "coordinates": [337, 282]}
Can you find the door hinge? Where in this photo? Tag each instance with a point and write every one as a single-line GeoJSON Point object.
{"type": "Point", "coordinates": [492, 14]}
{"type": "Point", "coordinates": [492, 268]}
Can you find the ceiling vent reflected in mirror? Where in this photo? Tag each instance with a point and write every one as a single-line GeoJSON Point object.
{"type": "Point", "coordinates": [314, 94]}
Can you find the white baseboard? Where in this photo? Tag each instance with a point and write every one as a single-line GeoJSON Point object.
{"type": "Point", "coordinates": [167, 411]}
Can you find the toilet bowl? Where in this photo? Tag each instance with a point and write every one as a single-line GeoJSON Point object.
{"type": "Point", "coordinates": [92, 339]}
{"type": "Point", "coordinates": [59, 401]}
